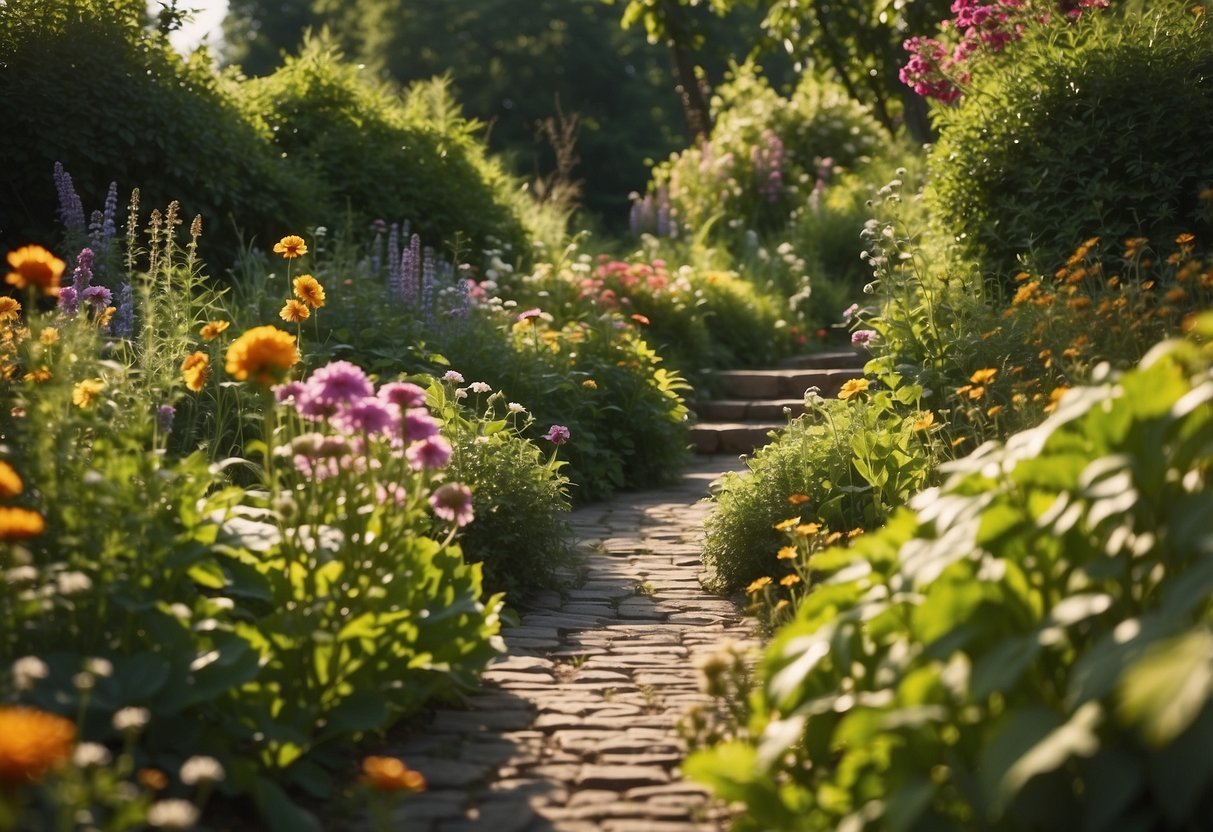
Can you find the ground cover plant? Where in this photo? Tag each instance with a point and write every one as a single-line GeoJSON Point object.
{"type": "Point", "coordinates": [1027, 645]}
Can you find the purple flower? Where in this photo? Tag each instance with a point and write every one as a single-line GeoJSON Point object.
{"type": "Point", "coordinates": [529, 314]}
{"type": "Point", "coordinates": [453, 502]}
{"type": "Point", "coordinates": [368, 415]}
{"type": "Point", "coordinates": [849, 312]}
{"type": "Point", "coordinates": [402, 394]}
{"type": "Point", "coordinates": [862, 337]}
{"type": "Point", "coordinates": [432, 452]}
{"type": "Point", "coordinates": [333, 385]}
{"type": "Point", "coordinates": [452, 376]}
{"type": "Point", "coordinates": [69, 301]}
{"type": "Point", "coordinates": [82, 275]}
{"type": "Point", "coordinates": [164, 418]}
{"type": "Point", "coordinates": [288, 393]}
{"type": "Point", "coordinates": [392, 492]}
{"type": "Point", "coordinates": [418, 424]}
{"type": "Point", "coordinates": [97, 298]}
{"type": "Point", "coordinates": [557, 434]}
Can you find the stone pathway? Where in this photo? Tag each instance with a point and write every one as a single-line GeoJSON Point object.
{"type": "Point", "coordinates": [574, 729]}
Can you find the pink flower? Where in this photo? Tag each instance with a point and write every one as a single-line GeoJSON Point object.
{"type": "Point", "coordinates": [402, 394]}
{"type": "Point", "coordinates": [418, 424]}
{"type": "Point", "coordinates": [862, 337]}
{"type": "Point", "coordinates": [433, 452]}
{"type": "Point", "coordinates": [288, 393]}
{"type": "Point", "coordinates": [452, 376]}
{"type": "Point", "coordinates": [453, 502]}
{"type": "Point", "coordinates": [557, 434]}
{"type": "Point", "coordinates": [333, 385]}
{"type": "Point", "coordinates": [528, 315]}
{"type": "Point", "coordinates": [368, 415]}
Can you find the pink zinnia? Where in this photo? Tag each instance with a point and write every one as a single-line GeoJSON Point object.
{"type": "Point", "coordinates": [434, 452]}
{"type": "Point", "coordinates": [288, 393]}
{"type": "Point", "coordinates": [529, 314]}
{"type": "Point", "coordinates": [453, 502]}
{"type": "Point", "coordinates": [331, 386]}
{"type": "Point", "coordinates": [369, 415]}
{"type": "Point", "coordinates": [418, 424]}
{"type": "Point", "coordinates": [557, 434]}
{"type": "Point", "coordinates": [860, 337]}
{"type": "Point", "coordinates": [402, 394]}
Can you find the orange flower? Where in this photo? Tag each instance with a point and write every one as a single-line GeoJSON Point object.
{"type": "Point", "coordinates": [10, 481]}
{"type": "Point", "coordinates": [925, 421]}
{"type": "Point", "coordinates": [641, 319]}
{"type": "Point", "coordinates": [49, 336]}
{"type": "Point", "coordinates": [32, 744]}
{"type": "Point", "coordinates": [789, 580]}
{"type": "Point", "coordinates": [196, 369]}
{"type": "Point", "coordinates": [290, 247]}
{"type": "Point", "coordinates": [10, 309]}
{"type": "Point", "coordinates": [1054, 397]}
{"type": "Point", "coordinates": [799, 499]}
{"type": "Point", "coordinates": [983, 376]}
{"type": "Point", "coordinates": [212, 329]}
{"type": "Point", "coordinates": [758, 584]}
{"type": "Point", "coordinates": [86, 392]}
{"type": "Point", "coordinates": [263, 353]}
{"type": "Point", "coordinates": [853, 388]}
{"type": "Point", "coordinates": [806, 529]}
{"type": "Point", "coordinates": [20, 523]}
{"type": "Point", "coordinates": [35, 266]}
{"type": "Point", "coordinates": [784, 525]}
{"type": "Point", "coordinates": [787, 553]}
{"type": "Point", "coordinates": [294, 311]}
{"type": "Point", "coordinates": [309, 290]}
{"type": "Point", "coordinates": [388, 774]}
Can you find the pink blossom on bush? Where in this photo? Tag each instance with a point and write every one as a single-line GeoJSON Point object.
{"type": "Point", "coordinates": [557, 434]}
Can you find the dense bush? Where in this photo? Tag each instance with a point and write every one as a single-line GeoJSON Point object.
{"type": "Point", "coordinates": [1081, 128]}
{"type": "Point", "coordinates": [374, 154]}
{"type": "Point", "coordinates": [1028, 647]}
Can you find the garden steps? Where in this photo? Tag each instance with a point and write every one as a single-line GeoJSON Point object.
{"type": "Point", "coordinates": [759, 401]}
{"type": "Point", "coordinates": [574, 728]}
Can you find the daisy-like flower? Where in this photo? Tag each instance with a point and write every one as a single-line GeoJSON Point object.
{"type": "Point", "coordinates": [984, 376]}
{"type": "Point", "coordinates": [309, 290]}
{"type": "Point", "coordinates": [212, 329]}
{"type": "Point", "coordinates": [263, 354]}
{"type": "Point", "coordinates": [787, 553]}
{"type": "Point", "coordinates": [294, 311]}
{"type": "Point", "coordinates": [49, 336]}
{"type": "Point", "coordinates": [388, 774]}
{"type": "Point", "coordinates": [10, 482]}
{"type": "Point", "coordinates": [453, 502]}
{"type": "Point", "coordinates": [10, 309]}
{"type": "Point", "coordinates": [290, 247]}
{"type": "Point", "coordinates": [925, 421]}
{"type": "Point", "coordinates": [86, 392]}
{"type": "Point", "coordinates": [34, 266]}
{"type": "Point", "coordinates": [758, 584]}
{"type": "Point", "coordinates": [853, 388]}
{"type": "Point", "coordinates": [33, 743]}
{"type": "Point", "coordinates": [530, 314]}
{"type": "Point", "coordinates": [20, 523]}
{"type": "Point", "coordinates": [195, 370]}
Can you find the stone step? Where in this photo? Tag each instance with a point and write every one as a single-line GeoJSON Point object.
{"type": "Point", "coordinates": [746, 410]}
{"type": "Point", "coordinates": [731, 437]}
{"type": "Point", "coordinates": [835, 359]}
{"type": "Point", "coordinates": [785, 383]}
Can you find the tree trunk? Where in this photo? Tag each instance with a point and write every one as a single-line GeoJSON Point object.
{"type": "Point", "coordinates": [694, 104]}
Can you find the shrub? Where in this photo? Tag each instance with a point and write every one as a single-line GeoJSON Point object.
{"type": "Point", "coordinates": [1079, 128]}
{"type": "Point", "coordinates": [1027, 646]}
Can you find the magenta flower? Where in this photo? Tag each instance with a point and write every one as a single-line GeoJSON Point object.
{"type": "Point", "coordinates": [433, 452]}
{"type": "Point", "coordinates": [862, 337]}
{"type": "Point", "coordinates": [453, 502]}
{"type": "Point", "coordinates": [333, 385]}
{"type": "Point", "coordinates": [288, 393]}
{"type": "Point", "coordinates": [557, 434]}
{"type": "Point", "coordinates": [529, 314]}
{"type": "Point", "coordinates": [418, 424]}
{"type": "Point", "coordinates": [402, 394]}
{"type": "Point", "coordinates": [366, 416]}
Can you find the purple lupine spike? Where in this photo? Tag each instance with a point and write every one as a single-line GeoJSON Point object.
{"type": "Point", "coordinates": [404, 290]}
{"type": "Point", "coordinates": [395, 277]}
{"type": "Point", "coordinates": [109, 226]}
{"type": "Point", "coordinates": [82, 275]}
{"type": "Point", "coordinates": [428, 284]}
{"type": "Point", "coordinates": [413, 286]}
{"type": "Point", "coordinates": [71, 209]}
{"type": "Point", "coordinates": [123, 324]}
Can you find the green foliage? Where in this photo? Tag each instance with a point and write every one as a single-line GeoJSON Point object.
{"type": "Point", "coordinates": [1078, 129]}
{"type": "Point", "coordinates": [84, 85]}
{"type": "Point", "coordinates": [380, 156]}
{"type": "Point", "coordinates": [1026, 647]}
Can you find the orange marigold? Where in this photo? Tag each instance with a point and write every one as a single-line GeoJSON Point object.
{"type": "Point", "coordinates": [263, 354]}
{"type": "Point", "coordinates": [853, 388]}
{"type": "Point", "coordinates": [294, 311]}
{"type": "Point", "coordinates": [212, 329]}
{"type": "Point", "coordinates": [758, 584]}
{"type": "Point", "coordinates": [10, 309]}
{"type": "Point", "coordinates": [20, 523]}
{"type": "Point", "coordinates": [787, 553]}
{"type": "Point", "coordinates": [789, 580]}
{"type": "Point", "coordinates": [290, 247]}
{"type": "Point", "coordinates": [389, 774]}
{"type": "Point", "coordinates": [32, 744]}
{"type": "Point", "coordinates": [10, 481]}
{"type": "Point", "coordinates": [196, 369]}
{"type": "Point", "coordinates": [984, 376]}
{"type": "Point", "coordinates": [309, 290]}
{"type": "Point", "coordinates": [35, 266]}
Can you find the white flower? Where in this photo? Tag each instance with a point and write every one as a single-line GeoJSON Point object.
{"type": "Point", "coordinates": [516, 408]}
{"type": "Point", "coordinates": [99, 667]}
{"type": "Point", "coordinates": [461, 393]}
{"type": "Point", "coordinates": [28, 670]}
{"type": "Point", "coordinates": [21, 575]}
{"type": "Point", "coordinates": [91, 754]}
{"type": "Point", "coordinates": [131, 719]}
{"type": "Point", "coordinates": [201, 769]}
{"type": "Point", "coordinates": [72, 583]}
{"type": "Point", "coordinates": [452, 375]}
{"type": "Point", "coordinates": [173, 813]}
{"type": "Point", "coordinates": [480, 387]}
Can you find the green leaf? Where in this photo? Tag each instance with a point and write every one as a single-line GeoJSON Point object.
{"type": "Point", "coordinates": [362, 710]}
{"type": "Point", "coordinates": [1035, 741]}
{"type": "Point", "coordinates": [1169, 686]}
{"type": "Point", "coordinates": [279, 812]}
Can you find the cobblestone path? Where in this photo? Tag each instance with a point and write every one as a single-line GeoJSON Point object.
{"type": "Point", "coordinates": [574, 729]}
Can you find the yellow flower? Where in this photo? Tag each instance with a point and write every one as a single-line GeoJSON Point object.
{"type": "Point", "coordinates": [983, 376]}
{"type": "Point", "coordinates": [32, 744]}
{"type": "Point", "coordinates": [789, 580]}
{"type": "Point", "coordinates": [86, 392]}
{"type": "Point", "coordinates": [35, 266]}
{"type": "Point", "coordinates": [388, 774]}
{"type": "Point", "coordinates": [212, 329]}
{"type": "Point", "coordinates": [290, 247]}
{"type": "Point", "coordinates": [1185, 239]}
{"type": "Point", "coordinates": [784, 525]}
{"type": "Point", "coordinates": [309, 290]}
{"type": "Point", "coordinates": [39, 375]}
{"type": "Point", "coordinates": [994, 410]}
{"type": "Point", "coordinates": [853, 388]}
{"type": "Point", "coordinates": [195, 370]}
{"type": "Point", "coordinates": [807, 529]}
{"type": "Point", "coordinates": [17, 524]}
{"type": "Point", "coordinates": [294, 311]}
{"type": "Point", "coordinates": [10, 309]}
{"type": "Point", "coordinates": [832, 538]}
{"type": "Point", "coordinates": [49, 336]}
{"type": "Point", "coordinates": [10, 481]}
{"type": "Point", "coordinates": [925, 421]}
{"type": "Point", "coordinates": [263, 353]}
{"type": "Point", "coordinates": [787, 553]}
{"type": "Point", "coordinates": [758, 584]}
{"type": "Point", "coordinates": [105, 317]}
{"type": "Point", "coordinates": [590, 384]}
{"type": "Point", "coordinates": [854, 533]}
{"type": "Point", "coordinates": [1054, 397]}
